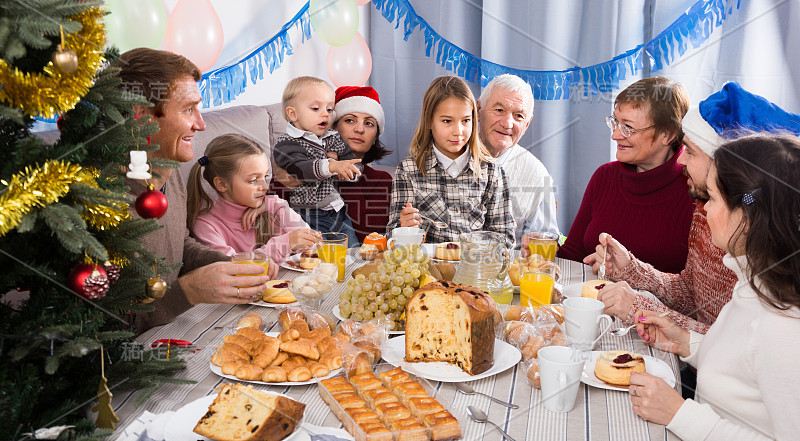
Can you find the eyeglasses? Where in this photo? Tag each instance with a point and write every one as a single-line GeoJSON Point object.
{"type": "Point", "coordinates": [624, 129]}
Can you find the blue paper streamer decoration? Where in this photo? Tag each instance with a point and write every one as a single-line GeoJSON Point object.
{"type": "Point", "coordinates": [694, 27]}
{"type": "Point", "coordinates": [224, 84]}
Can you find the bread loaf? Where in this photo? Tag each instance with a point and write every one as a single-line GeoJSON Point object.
{"type": "Point", "coordinates": [249, 320]}
{"type": "Point", "coordinates": [452, 323]}
{"type": "Point", "coordinates": [242, 413]}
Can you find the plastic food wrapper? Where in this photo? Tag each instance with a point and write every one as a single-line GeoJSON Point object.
{"type": "Point", "coordinates": [532, 371]}
{"type": "Point", "coordinates": [363, 351]}
{"type": "Point", "coordinates": [533, 314]}
{"type": "Point", "coordinates": [529, 338]}
{"type": "Point", "coordinates": [315, 319]}
{"type": "Point", "coordinates": [387, 403]}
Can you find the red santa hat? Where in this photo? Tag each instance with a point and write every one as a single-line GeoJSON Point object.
{"type": "Point", "coordinates": [351, 99]}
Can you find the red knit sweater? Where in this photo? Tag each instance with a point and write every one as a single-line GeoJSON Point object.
{"type": "Point", "coordinates": [649, 212]}
{"type": "Point", "coordinates": [368, 201]}
{"type": "Point", "coordinates": [697, 294]}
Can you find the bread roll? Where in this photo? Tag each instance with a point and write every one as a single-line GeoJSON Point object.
{"type": "Point", "coordinates": [371, 348]}
{"type": "Point", "coordinates": [533, 375]}
{"type": "Point", "coordinates": [249, 372]}
{"type": "Point", "coordinates": [300, 373]}
{"type": "Point", "coordinates": [274, 374]}
{"type": "Point", "coordinates": [249, 320]}
{"type": "Point", "coordinates": [287, 316]}
{"type": "Point", "coordinates": [531, 348]}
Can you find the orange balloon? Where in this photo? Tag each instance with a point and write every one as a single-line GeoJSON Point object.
{"type": "Point", "coordinates": [351, 64]}
{"type": "Point", "coordinates": [195, 31]}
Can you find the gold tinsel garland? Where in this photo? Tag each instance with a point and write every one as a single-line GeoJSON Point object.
{"type": "Point", "coordinates": [39, 187]}
{"type": "Point", "coordinates": [52, 92]}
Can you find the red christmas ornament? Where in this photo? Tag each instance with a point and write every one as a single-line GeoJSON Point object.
{"type": "Point", "coordinates": [60, 122]}
{"type": "Point", "coordinates": [89, 281]}
{"type": "Point", "coordinates": [151, 203]}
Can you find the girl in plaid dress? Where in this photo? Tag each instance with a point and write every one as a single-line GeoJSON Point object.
{"type": "Point", "coordinates": [450, 175]}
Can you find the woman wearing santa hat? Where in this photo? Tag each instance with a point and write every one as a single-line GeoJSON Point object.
{"type": "Point", "coordinates": [360, 121]}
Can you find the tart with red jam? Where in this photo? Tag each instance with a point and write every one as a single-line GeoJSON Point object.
{"type": "Point", "coordinates": [615, 367]}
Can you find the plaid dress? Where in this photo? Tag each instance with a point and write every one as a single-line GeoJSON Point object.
{"type": "Point", "coordinates": [462, 202]}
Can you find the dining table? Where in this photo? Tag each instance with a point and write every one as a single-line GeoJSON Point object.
{"type": "Point", "coordinates": [599, 414]}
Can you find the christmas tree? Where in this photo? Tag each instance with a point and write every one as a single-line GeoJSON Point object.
{"type": "Point", "coordinates": [69, 249]}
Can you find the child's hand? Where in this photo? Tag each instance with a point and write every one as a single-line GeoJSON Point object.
{"type": "Point", "coordinates": [303, 238]}
{"type": "Point", "coordinates": [332, 155]}
{"type": "Point", "coordinates": [345, 169]}
{"type": "Point", "coordinates": [409, 216]}
{"type": "Point", "coordinates": [250, 216]}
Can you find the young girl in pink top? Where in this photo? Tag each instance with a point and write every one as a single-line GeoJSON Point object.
{"type": "Point", "coordinates": [239, 170]}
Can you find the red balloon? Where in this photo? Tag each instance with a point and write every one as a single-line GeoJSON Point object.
{"type": "Point", "coordinates": [151, 204]}
{"type": "Point", "coordinates": [195, 31]}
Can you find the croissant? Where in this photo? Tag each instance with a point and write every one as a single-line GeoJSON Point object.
{"type": "Point", "coordinates": [254, 334]}
{"type": "Point", "coordinates": [231, 351]}
{"type": "Point", "coordinates": [279, 359]}
{"type": "Point", "coordinates": [231, 367]}
{"type": "Point", "coordinates": [318, 334]}
{"type": "Point", "coordinates": [356, 363]}
{"type": "Point", "coordinates": [266, 352]}
{"type": "Point", "coordinates": [333, 360]}
{"type": "Point", "coordinates": [274, 374]}
{"type": "Point", "coordinates": [289, 335]}
{"type": "Point", "coordinates": [318, 369]}
{"type": "Point", "coordinates": [371, 348]}
{"type": "Point", "coordinates": [301, 326]}
{"type": "Point", "coordinates": [326, 343]}
{"type": "Point", "coordinates": [301, 347]}
{"type": "Point", "coordinates": [249, 372]}
{"type": "Point", "coordinates": [293, 362]}
{"type": "Point", "coordinates": [240, 340]}
{"type": "Point", "coordinates": [300, 373]}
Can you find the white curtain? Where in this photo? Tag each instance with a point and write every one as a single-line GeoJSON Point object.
{"type": "Point", "coordinates": [754, 47]}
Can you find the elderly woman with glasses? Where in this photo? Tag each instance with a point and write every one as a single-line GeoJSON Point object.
{"type": "Point", "coordinates": [641, 199]}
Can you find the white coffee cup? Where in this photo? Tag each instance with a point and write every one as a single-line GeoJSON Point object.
{"type": "Point", "coordinates": [403, 236]}
{"type": "Point", "coordinates": [582, 316]}
{"type": "Point", "coordinates": [560, 370]}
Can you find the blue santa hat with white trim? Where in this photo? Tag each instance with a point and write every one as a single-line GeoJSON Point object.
{"type": "Point", "coordinates": [726, 113]}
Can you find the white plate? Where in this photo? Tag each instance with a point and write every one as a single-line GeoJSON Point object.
{"type": "Point", "coordinates": [217, 370]}
{"type": "Point", "coordinates": [652, 365]}
{"type": "Point", "coordinates": [429, 249]}
{"type": "Point", "coordinates": [505, 356]}
{"type": "Point", "coordinates": [181, 425]}
{"type": "Point", "coordinates": [272, 305]}
{"type": "Point", "coordinates": [295, 259]}
{"type": "Point", "coordinates": [339, 316]}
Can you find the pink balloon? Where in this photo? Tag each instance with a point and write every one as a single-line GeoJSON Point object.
{"type": "Point", "coordinates": [194, 31]}
{"type": "Point", "coordinates": [362, 2]}
{"type": "Point", "coordinates": [351, 64]}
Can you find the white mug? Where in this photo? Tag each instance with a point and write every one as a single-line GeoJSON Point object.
{"type": "Point", "coordinates": [560, 370]}
{"type": "Point", "coordinates": [403, 236]}
{"type": "Point", "coordinates": [581, 317]}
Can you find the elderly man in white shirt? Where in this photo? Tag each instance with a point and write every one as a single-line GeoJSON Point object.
{"type": "Point", "coordinates": [505, 110]}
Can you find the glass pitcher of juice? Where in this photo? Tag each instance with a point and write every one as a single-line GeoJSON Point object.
{"type": "Point", "coordinates": [484, 264]}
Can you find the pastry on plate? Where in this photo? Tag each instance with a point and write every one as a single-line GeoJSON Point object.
{"type": "Point", "coordinates": [615, 367]}
{"type": "Point", "coordinates": [309, 260]}
{"type": "Point", "coordinates": [448, 251]}
{"type": "Point", "coordinates": [277, 291]}
{"type": "Point", "coordinates": [591, 288]}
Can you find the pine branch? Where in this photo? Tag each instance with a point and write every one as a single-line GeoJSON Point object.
{"type": "Point", "coordinates": [70, 228]}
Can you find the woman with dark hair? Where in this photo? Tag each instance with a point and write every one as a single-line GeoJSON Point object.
{"type": "Point", "coordinates": [748, 363]}
{"type": "Point", "coordinates": [360, 121]}
{"type": "Point", "coordinates": [641, 198]}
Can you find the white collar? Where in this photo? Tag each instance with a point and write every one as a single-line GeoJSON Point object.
{"type": "Point", "coordinates": [505, 155]}
{"type": "Point", "coordinates": [452, 167]}
{"type": "Point", "coordinates": [294, 132]}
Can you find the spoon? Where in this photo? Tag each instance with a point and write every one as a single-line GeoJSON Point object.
{"type": "Point", "coordinates": [480, 417]}
{"type": "Point", "coordinates": [467, 389]}
{"type": "Point", "coordinates": [601, 272]}
{"type": "Point", "coordinates": [619, 332]}
{"type": "Point", "coordinates": [438, 224]}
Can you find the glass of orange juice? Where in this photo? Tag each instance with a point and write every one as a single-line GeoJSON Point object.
{"type": "Point", "coordinates": [252, 257]}
{"type": "Point", "coordinates": [536, 286]}
{"type": "Point", "coordinates": [543, 243]}
{"type": "Point", "coordinates": [334, 250]}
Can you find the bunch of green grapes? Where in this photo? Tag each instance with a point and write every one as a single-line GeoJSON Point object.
{"type": "Point", "coordinates": [385, 292]}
